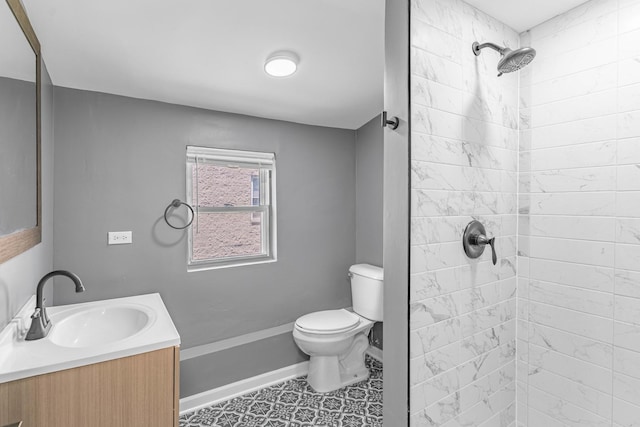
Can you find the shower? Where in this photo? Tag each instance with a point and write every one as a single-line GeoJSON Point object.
{"type": "Point", "coordinates": [512, 60]}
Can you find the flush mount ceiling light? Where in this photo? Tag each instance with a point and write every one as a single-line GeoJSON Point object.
{"type": "Point", "coordinates": [281, 64]}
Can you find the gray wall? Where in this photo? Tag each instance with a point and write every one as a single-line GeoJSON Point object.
{"type": "Point", "coordinates": [20, 275]}
{"type": "Point", "coordinates": [369, 173]}
{"type": "Point", "coordinates": [120, 161]}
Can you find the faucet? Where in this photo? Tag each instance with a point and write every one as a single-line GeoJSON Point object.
{"type": "Point", "coordinates": [40, 323]}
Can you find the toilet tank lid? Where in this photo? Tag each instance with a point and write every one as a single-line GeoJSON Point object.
{"type": "Point", "coordinates": [367, 270]}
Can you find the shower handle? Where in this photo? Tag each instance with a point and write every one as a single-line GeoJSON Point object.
{"type": "Point", "coordinates": [474, 241]}
{"type": "Point", "coordinates": [482, 240]}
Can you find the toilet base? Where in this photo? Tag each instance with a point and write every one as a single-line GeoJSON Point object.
{"type": "Point", "coordinates": [329, 373]}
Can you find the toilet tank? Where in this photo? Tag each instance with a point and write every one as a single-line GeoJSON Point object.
{"type": "Point", "coordinates": [366, 290]}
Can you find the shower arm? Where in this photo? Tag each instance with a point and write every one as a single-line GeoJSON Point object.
{"type": "Point", "coordinates": [477, 47]}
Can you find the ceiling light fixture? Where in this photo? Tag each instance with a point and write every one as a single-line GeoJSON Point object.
{"type": "Point", "coordinates": [281, 64]}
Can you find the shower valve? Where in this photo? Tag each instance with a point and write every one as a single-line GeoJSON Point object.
{"type": "Point", "coordinates": [474, 241]}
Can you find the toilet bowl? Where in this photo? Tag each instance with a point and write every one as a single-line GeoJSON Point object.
{"type": "Point", "coordinates": [336, 341]}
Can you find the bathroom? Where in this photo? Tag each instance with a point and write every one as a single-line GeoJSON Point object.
{"type": "Point", "coordinates": [546, 158]}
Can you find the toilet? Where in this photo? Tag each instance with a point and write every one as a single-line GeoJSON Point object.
{"type": "Point", "coordinates": [336, 340]}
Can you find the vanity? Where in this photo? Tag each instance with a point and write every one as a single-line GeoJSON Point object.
{"type": "Point", "coordinates": [103, 364]}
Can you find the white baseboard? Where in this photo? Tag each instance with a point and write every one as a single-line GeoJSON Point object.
{"type": "Point", "coordinates": [229, 391]}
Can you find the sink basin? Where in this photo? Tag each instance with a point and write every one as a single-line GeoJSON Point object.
{"type": "Point", "coordinates": [98, 325]}
{"type": "Point", "coordinates": [85, 333]}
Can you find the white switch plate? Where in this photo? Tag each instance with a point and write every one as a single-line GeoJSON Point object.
{"type": "Point", "coordinates": [120, 237]}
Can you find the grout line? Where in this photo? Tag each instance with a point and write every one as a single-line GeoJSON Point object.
{"type": "Point", "coordinates": [496, 417]}
{"type": "Point", "coordinates": [579, 168]}
{"type": "Point", "coordinates": [558, 76]}
{"type": "Point", "coordinates": [456, 293]}
{"type": "Point", "coordinates": [480, 401]}
{"type": "Point", "coordinates": [555, 328]}
{"type": "Point", "coordinates": [574, 97]}
{"type": "Point", "coordinates": [563, 146]}
{"type": "Point", "coordinates": [572, 26]}
{"type": "Point", "coordinates": [565, 122]}
{"type": "Point", "coordinates": [574, 358]}
{"type": "Point", "coordinates": [467, 336]}
{"type": "Point", "coordinates": [573, 263]}
{"type": "Point", "coordinates": [554, 396]}
{"type": "Point", "coordinates": [587, 290]}
{"type": "Point", "coordinates": [608, 319]}
{"type": "Point", "coordinates": [568, 239]}
{"type": "Point", "coordinates": [453, 370]}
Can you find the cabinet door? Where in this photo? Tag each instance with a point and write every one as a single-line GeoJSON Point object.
{"type": "Point", "coordinates": [132, 391]}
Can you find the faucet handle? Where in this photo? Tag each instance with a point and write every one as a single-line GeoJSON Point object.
{"type": "Point", "coordinates": [474, 240]}
{"type": "Point", "coordinates": [36, 314]}
{"type": "Point", "coordinates": [492, 243]}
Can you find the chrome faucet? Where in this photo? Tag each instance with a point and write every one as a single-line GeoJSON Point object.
{"type": "Point", "coordinates": [40, 323]}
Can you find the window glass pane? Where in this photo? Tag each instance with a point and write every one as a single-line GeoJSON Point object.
{"type": "Point", "coordinates": [225, 235]}
{"type": "Point", "coordinates": [218, 186]}
{"type": "Point", "coordinates": [255, 190]}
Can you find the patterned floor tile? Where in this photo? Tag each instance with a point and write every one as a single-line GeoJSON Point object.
{"type": "Point", "coordinates": [295, 404]}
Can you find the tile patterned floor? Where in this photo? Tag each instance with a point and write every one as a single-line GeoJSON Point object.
{"type": "Point", "coordinates": [295, 404]}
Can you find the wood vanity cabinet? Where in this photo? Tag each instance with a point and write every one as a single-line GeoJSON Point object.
{"type": "Point", "coordinates": [140, 390]}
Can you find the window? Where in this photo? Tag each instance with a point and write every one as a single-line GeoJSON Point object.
{"type": "Point", "coordinates": [233, 196]}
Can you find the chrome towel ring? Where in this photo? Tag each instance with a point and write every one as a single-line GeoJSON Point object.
{"type": "Point", "coordinates": [176, 204]}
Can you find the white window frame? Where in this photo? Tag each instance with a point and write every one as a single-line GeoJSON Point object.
{"type": "Point", "coordinates": [266, 164]}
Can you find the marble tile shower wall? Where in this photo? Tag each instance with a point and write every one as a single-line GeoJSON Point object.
{"type": "Point", "coordinates": [464, 166]}
{"type": "Point", "coordinates": [578, 332]}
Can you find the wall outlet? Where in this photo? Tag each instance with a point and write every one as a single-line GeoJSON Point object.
{"type": "Point", "coordinates": [119, 237]}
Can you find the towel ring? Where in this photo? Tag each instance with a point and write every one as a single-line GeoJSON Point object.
{"type": "Point", "coordinates": [176, 204]}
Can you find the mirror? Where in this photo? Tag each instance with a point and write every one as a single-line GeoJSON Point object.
{"type": "Point", "coordinates": [20, 198]}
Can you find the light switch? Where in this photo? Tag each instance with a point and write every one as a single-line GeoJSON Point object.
{"type": "Point", "coordinates": [120, 237]}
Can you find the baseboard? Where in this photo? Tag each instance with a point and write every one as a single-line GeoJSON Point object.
{"type": "Point", "coordinates": [375, 352]}
{"type": "Point", "coordinates": [229, 391]}
{"type": "Point", "coordinates": [201, 350]}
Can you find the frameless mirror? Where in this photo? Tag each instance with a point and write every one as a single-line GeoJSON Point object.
{"type": "Point", "coordinates": [19, 132]}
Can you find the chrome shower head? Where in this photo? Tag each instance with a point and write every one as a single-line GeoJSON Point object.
{"type": "Point", "coordinates": [512, 60]}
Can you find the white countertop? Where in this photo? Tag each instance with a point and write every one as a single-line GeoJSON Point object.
{"type": "Point", "coordinates": [21, 359]}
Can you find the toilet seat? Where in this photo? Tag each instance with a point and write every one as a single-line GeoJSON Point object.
{"type": "Point", "coordinates": [328, 322]}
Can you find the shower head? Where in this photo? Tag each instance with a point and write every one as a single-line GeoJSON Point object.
{"type": "Point", "coordinates": [512, 60]}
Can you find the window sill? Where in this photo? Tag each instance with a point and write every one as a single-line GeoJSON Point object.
{"type": "Point", "coordinates": [204, 267]}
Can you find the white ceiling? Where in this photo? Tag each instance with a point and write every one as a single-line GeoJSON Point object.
{"type": "Point", "coordinates": [522, 15]}
{"type": "Point", "coordinates": [210, 53]}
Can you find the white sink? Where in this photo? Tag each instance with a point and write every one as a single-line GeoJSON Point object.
{"type": "Point", "coordinates": [85, 333]}
{"type": "Point", "coordinates": [98, 325]}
